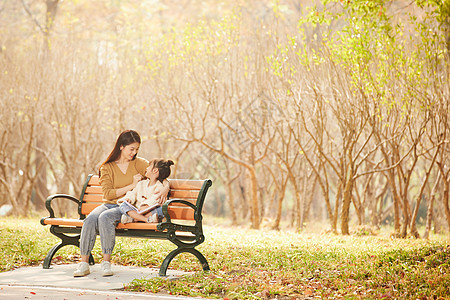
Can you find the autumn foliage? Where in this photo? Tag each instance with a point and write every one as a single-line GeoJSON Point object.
{"type": "Point", "coordinates": [300, 111]}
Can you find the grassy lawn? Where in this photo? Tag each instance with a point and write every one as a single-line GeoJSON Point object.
{"type": "Point", "coordinates": [249, 264]}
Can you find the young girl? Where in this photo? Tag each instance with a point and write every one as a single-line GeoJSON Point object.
{"type": "Point", "coordinates": [146, 194]}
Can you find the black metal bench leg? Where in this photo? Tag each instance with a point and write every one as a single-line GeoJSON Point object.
{"type": "Point", "coordinates": [65, 240]}
{"type": "Point", "coordinates": [171, 255]}
{"type": "Point", "coordinates": [51, 253]}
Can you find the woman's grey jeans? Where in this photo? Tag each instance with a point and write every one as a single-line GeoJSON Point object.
{"type": "Point", "coordinates": [103, 221]}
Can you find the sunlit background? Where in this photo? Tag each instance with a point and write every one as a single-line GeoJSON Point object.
{"type": "Point", "coordinates": [301, 112]}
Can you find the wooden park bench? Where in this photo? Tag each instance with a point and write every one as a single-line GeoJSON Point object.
{"type": "Point", "coordinates": [182, 224]}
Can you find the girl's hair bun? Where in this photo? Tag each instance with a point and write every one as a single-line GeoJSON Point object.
{"type": "Point", "coordinates": [170, 162]}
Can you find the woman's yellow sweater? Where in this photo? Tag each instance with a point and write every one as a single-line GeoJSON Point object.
{"type": "Point", "coordinates": [112, 178]}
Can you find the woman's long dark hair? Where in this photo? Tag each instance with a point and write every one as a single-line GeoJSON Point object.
{"type": "Point", "coordinates": [163, 166]}
{"type": "Point", "coordinates": [126, 138]}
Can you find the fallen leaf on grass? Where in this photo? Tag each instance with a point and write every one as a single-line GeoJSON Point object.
{"type": "Point", "coordinates": [308, 292]}
{"type": "Point", "coordinates": [263, 294]}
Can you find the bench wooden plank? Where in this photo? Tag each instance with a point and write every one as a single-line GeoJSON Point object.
{"type": "Point", "coordinates": [86, 208]}
{"type": "Point", "coordinates": [63, 222]}
{"type": "Point", "coordinates": [94, 189]}
{"type": "Point", "coordinates": [179, 184]}
{"type": "Point", "coordinates": [138, 225]}
{"type": "Point", "coordinates": [93, 198]}
{"type": "Point", "coordinates": [185, 184]}
{"type": "Point", "coordinates": [181, 213]}
{"type": "Point", "coordinates": [181, 194]}
{"type": "Point", "coordinates": [94, 180]}
{"type": "Point", "coordinates": [79, 223]}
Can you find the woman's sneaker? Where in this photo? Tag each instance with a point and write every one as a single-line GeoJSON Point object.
{"type": "Point", "coordinates": [106, 268]}
{"type": "Point", "coordinates": [82, 270]}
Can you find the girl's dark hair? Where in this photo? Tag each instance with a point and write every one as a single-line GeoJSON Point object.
{"type": "Point", "coordinates": [163, 166]}
{"type": "Point", "coordinates": [126, 138]}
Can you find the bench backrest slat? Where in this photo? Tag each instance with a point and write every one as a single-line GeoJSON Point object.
{"type": "Point", "coordinates": [184, 184]}
{"type": "Point", "coordinates": [187, 190]}
{"type": "Point", "coordinates": [93, 189]}
{"type": "Point", "coordinates": [93, 198]}
{"type": "Point", "coordinates": [183, 194]}
{"type": "Point", "coordinates": [87, 207]}
{"type": "Point", "coordinates": [94, 180]}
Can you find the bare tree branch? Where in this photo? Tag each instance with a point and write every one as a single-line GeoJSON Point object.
{"type": "Point", "coordinates": [33, 18]}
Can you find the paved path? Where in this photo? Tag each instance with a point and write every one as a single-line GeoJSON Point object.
{"type": "Point", "coordinates": [50, 293]}
{"type": "Point", "coordinates": [58, 283]}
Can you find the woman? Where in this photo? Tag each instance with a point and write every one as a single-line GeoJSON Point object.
{"type": "Point", "coordinates": [119, 174]}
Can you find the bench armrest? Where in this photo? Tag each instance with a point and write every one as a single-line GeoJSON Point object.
{"type": "Point", "coordinates": [165, 206]}
{"type": "Point", "coordinates": [48, 202]}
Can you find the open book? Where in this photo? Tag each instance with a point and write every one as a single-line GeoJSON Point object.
{"type": "Point", "coordinates": [142, 211]}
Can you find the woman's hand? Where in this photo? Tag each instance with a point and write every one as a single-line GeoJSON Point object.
{"type": "Point", "coordinates": [164, 191]}
{"type": "Point", "coordinates": [160, 196]}
{"type": "Point", "coordinates": [136, 179]}
{"type": "Point", "coordinates": [161, 193]}
{"type": "Point", "coordinates": [162, 199]}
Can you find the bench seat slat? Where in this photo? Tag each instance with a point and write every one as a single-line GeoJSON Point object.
{"type": "Point", "coordinates": [79, 223]}
{"type": "Point", "coordinates": [63, 222]}
{"type": "Point", "coordinates": [138, 225]}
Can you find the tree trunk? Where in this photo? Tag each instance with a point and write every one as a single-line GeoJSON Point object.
{"type": "Point", "coordinates": [335, 216]}
{"type": "Point", "coordinates": [231, 203]}
{"type": "Point", "coordinates": [347, 199]}
{"type": "Point", "coordinates": [430, 208]}
{"type": "Point", "coordinates": [302, 203]}
{"type": "Point", "coordinates": [255, 217]}
{"type": "Point", "coordinates": [244, 207]}
{"type": "Point", "coordinates": [445, 201]}
{"type": "Point", "coordinates": [414, 231]}
{"type": "Point", "coordinates": [310, 197]}
{"type": "Point", "coordinates": [396, 200]}
{"type": "Point", "coordinates": [40, 188]}
{"type": "Point", "coordinates": [378, 206]}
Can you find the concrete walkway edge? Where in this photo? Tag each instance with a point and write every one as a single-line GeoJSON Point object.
{"type": "Point", "coordinates": [59, 283]}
